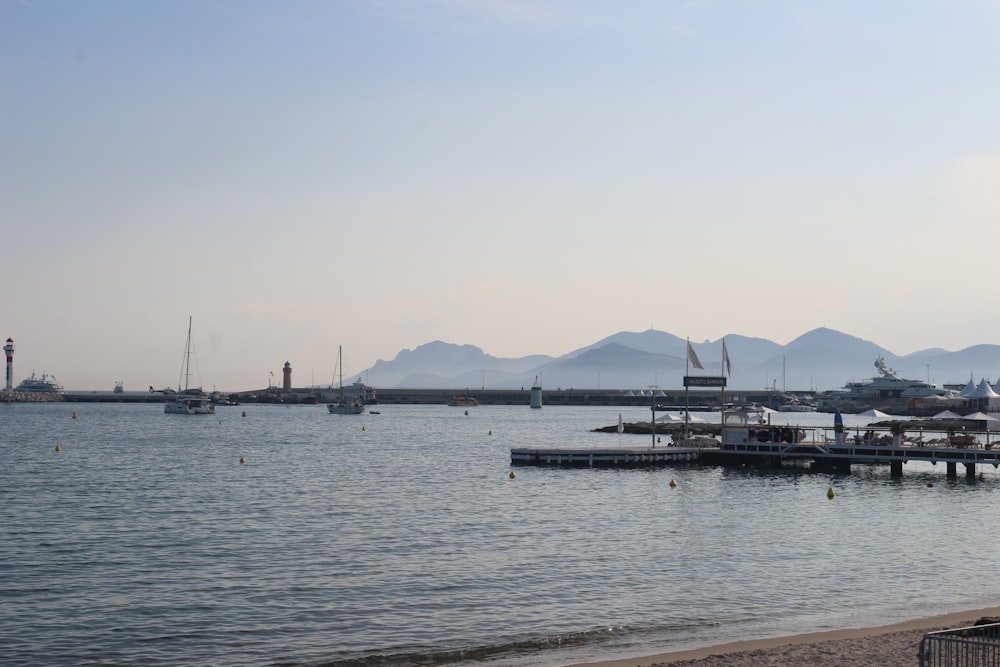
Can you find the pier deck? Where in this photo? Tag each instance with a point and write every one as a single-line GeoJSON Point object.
{"type": "Point", "coordinates": [591, 457]}
{"type": "Point", "coordinates": [822, 455]}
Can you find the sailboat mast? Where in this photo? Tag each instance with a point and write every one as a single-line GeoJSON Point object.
{"type": "Point", "coordinates": [186, 373]}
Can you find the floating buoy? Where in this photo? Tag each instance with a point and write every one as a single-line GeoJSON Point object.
{"type": "Point", "coordinates": [512, 475]}
{"type": "Point", "coordinates": [491, 432]}
{"type": "Point", "coordinates": [74, 414]}
{"type": "Point", "coordinates": [830, 493]}
{"type": "Point", "coordinates": [672, 484]}
{"type": "Point", "coordinates": [362, 427]}
{"type": "Point", "coordinates": [657, 438]}
{"type": "Point", "coordinates": [220, 422]}
{"type": "Point", "coordinates": [929, 484]}
{"type": "Point", "coordinates": [466, 412]}
{"type": "Point", "coordinates": [244, 413]}
{"type": "Point", "coordinates": [58, 448]}
{"type": "Point", "coordinates": [242, 460]}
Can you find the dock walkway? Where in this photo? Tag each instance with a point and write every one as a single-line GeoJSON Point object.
{"type": "Point", "coordinates": [822, 456]}
{"type": "Point", "coordinates": [590, 457]}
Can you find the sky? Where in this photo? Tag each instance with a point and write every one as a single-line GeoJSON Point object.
{"type": "Point", "coordinates": [526, 177]}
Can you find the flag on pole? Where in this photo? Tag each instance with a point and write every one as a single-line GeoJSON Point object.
{"type": "Point", "coordinates": [725, 359]}
{"type": "Point", "coordinates": [621, 426]}
{"type": "Point", "coordinates": [693, 358]}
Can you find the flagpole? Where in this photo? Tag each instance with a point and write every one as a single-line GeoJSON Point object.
{"type": "Point", "coordinates": [652, 413]}
{"type": "Point", "coordinates": [687, 402]}
{"type": "Point", "coordinates": [722, 408]}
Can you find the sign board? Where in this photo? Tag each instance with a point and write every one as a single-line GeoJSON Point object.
{"type": "Point", "coordinates": [704, 381]}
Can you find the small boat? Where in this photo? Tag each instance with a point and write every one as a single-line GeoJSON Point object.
{"type": "Point", "coordinates": [188, 401]}
{"type": "Point", "coordinates": [463, 400]}
{"type": "Point", "coordinates": [46, 384]}
{"type": "Point", "coordinates": [797, 404]}
{"type": "Point", "coordinates": [343, 406]}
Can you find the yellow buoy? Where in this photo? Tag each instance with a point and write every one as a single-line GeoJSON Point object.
{"type": "Point", "coordinates": [512, 475]}
{"type": "Point", "coordinates": [242, 460]}
{"type": "Point", "coordinates": [830, 493]}
{"type": "Point", "coordinates": [672, 484]}
{"type": "Point", "coordinates": [58, 448]}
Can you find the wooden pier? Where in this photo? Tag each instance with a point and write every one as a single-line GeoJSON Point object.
{"type": "Point", "coordinates": [840, 457]}
{"type": "Point", "coordinates": [822, 456]}
{"type": "Point", "coordinates": [611, 457]}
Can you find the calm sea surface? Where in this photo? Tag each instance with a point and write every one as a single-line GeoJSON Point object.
{"type": "Point", "coordinates": [399, 539]}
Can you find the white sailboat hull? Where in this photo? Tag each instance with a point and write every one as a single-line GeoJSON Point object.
{"type": "Point", "coordinates": [343, 406]}
{"type": "Point", "coordinates": [189, 406]}
{"type": "Point", "coordinates": [189, 401]}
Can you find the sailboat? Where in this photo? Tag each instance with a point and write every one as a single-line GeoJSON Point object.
{"type": "Point", "coordinates": [188, 401]}
{"type": "Point", "coordinates": [343, 406]}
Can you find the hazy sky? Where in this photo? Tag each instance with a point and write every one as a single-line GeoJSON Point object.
{"type": "Point", "coordinates": [528, 177]}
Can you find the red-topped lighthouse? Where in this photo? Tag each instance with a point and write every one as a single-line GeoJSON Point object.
{"type": "Point", "coordinates": [9, 349]}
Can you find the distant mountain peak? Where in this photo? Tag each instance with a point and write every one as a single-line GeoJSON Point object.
{"type": "Point", "coordinates": [822, 358]}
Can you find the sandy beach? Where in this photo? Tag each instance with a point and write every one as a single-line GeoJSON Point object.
{"type": "Point", "coordinates": [886, 646]}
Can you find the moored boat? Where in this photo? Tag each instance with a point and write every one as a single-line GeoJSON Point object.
{"type": "Point", "coordinates": [344, 406]}
{"type": "Point", "coordinates": [45, 384]}
{"type": "Point", "coordinates": [463, 400]}
{"type": "Point", "coordinates": [886, 391]}
{"type": "Point", "coordinates": [188, 401]}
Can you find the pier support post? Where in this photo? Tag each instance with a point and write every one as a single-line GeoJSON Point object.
{"type": "Point", "coordinates": [970, 470]}
{"type": "Point", "coordinates": [895, 468]}
{"type": "Point", "coordinates": [952, 470]}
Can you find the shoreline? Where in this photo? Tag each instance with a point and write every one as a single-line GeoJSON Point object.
{"type": "Point", "coordinates": [885, 645]}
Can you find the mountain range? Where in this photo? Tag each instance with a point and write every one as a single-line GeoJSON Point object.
{"type": "Point", "coordinates": [818, 360]}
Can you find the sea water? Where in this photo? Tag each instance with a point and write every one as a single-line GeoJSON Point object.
{"type": "Point", "coordinates": [290, 536]}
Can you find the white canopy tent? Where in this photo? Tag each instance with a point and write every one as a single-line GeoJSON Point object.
{"type": "Point", "coordinates": [981, 416]}
{"type": "Point", "coordinates": [983, 390]}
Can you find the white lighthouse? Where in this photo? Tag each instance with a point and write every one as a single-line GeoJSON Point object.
{"type": "Point", "coordinates": [9, 349]}
{"type": "Point", "coordinates": [536, 394]}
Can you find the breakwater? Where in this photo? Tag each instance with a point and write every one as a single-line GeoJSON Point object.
{"type": "Point", "coordinates": [664, 401]}
{"type": "Point", "coordinates": [29, 396]}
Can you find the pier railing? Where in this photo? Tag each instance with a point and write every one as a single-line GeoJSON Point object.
{"type": "Point", "coordinates": [974, 646]}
